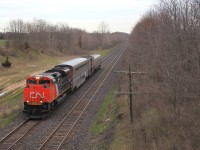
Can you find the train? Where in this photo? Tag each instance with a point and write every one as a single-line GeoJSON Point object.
{"type": "Point", "coordinates": [45, 91]}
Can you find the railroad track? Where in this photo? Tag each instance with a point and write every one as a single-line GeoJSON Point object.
{"type": "Point", "coordinates": [68, 127]}
{"type": "Point", "coordinates": [12, 139]}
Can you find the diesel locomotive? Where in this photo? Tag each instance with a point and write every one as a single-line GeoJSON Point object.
{"type": "Point", "coordinates": [43, 92]}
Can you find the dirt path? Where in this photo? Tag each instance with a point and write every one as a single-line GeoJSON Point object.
{"type": "Point", "coordinates": [16, 85]}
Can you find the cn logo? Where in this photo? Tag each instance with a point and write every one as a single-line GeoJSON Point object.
{"type": "Point", "coordinates": [36, 95]}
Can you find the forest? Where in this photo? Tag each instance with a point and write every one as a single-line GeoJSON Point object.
{"type": "Point", "coordinates": [40, 35]}
{"type": "Point", "coordinates": [165, 44]}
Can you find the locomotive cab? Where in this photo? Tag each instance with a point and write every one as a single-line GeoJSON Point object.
{"type": "Point", "coordinates": [39, 92]}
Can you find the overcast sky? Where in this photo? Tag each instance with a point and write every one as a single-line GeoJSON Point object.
{"type": "Point", "coordinates": [120, 15]}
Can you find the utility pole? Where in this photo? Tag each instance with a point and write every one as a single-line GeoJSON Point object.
{"type": "Point", "coordinates": [130, 93]}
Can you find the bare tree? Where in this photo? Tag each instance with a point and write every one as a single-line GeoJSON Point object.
{"type": "Point", "coordinates": [103, 34]}
{"type": "Point", "coordinates": [45, 37]}
{"type": "Point", "coordinates": [165, 44]}
{"type": "Point", "coordinates": [16, 26]}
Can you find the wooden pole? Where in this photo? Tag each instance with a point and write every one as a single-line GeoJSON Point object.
{"type": "Point", "coordinates": [130, 96]}
{"type": "Point", "coordinates": [130, 93]}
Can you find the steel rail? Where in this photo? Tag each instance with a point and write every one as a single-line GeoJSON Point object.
{"type": "Point", "coordinates": [94, 83]}
{"type": "Point", "coordinates": [89, 101]}
{"type": "Point", "coordinates": [17, 131]}
{"type": "Point", "coordinates": [14, 143]}
{"type": "Point", "coordinates": [14, 130]}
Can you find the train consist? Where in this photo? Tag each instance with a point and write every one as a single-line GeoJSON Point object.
{"type": "Point", "coordinates": [43, 92]}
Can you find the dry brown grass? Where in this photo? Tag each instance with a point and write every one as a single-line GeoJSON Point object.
{"type": "Point", "coordinates": [23, 66]}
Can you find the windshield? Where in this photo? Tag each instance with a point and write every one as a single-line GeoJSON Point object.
{"type": "Point", "coordinates": [32, 81]}
{"type": "Point", "coordinates": [44, 81]}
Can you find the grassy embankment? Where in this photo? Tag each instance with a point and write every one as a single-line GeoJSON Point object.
{"type": "Point", "coordinates": [122, 138]}
{"type": "Point", "coordinates": [105, 52]}
{"type": "Point", "coordinates": [123, 130]}
{"type": "Point", "coordinates": [105, 115]}
{"type": "Point", "coordinates": [103, 121]}
{"type": "Point", "coordinates": [13, 79]}
{"type": "Point", "coordinates": [10, 107]}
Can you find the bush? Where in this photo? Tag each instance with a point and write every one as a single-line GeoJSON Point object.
{"type": "Point", "coordinates": [6, 63]}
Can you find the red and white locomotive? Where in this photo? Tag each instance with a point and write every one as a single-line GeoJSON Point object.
{"type": "Point", "coordinates": [45, 91]}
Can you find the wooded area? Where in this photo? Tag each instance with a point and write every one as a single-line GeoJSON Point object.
{"type": "Point", "coordinates": [165, 44]}
{"type": "Point", "coordinates": [52, 38]}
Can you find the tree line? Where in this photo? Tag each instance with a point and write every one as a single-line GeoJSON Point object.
{"type": "Point", "coordinates": [43, 36]}
{"type": "Point", "coordinates": [165, 44]}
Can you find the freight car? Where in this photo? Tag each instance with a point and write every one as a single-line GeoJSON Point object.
{"type": "Point", "coordinates": [45, 91]}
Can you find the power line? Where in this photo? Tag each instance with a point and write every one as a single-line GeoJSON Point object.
{"type": "Point", "coordinates": [130, 93]}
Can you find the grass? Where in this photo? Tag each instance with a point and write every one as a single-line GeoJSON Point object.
{"type": "Point", "coordinates": [12, 96]}
{"type": "Point", "coordinates": [8, 118]}
{"type": "Point", "coordinates": [24, 65]}
{"type": "Point", "coordinates": [105, 52]}
{"type": "Point", "coordinates": [103, 121]}
{"type": "Point", "coordinates": [137, 135]}
{"type": "Point", "coordinates": [10, 107]}
{"type": "Point", "coordinates": [105, 116]}
{"type": "Point", "coordinates": [123, 135]}
{"type": "Point", "coordinates": [2, 42]}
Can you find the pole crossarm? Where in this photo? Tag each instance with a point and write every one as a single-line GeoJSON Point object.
{"type": "Point", "coordinates": [130, 93]}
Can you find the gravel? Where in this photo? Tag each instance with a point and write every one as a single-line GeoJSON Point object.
{"type": "Point", "coordinates": [82, 141]}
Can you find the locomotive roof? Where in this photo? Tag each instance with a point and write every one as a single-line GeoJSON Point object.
{"type": "Point", "coordinates": [43, 75]}
{"type": "Point", "coordinates": [74, 62]}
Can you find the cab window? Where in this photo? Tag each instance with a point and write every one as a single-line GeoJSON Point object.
{"type": "Point", "coordinates": [32, 81]}
{"type": "Point", "coordinates": [44, 81]}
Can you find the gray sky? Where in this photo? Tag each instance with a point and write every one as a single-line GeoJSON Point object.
{"type": "Point", "coordinates": [120, 15]}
